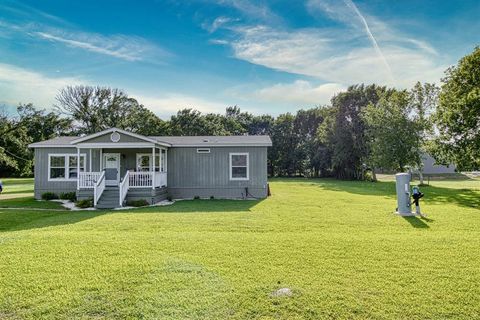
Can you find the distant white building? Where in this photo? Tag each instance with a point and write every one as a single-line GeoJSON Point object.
{"type": "Point", "coordinates": [429, 166]}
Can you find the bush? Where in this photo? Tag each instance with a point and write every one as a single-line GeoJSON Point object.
{"type": "Point", "coordinates": [72, 196]}
{"type": "Point", "coordinates": [86, 203]}
{"type": "Point", "coordinates": [138, 203]}
{"type": "Point", "coordinates": [196, 197]}
{"type": "Point", "coordinates": [212, 197]}
{"type": "Point", "coordinates": [49, 196]}
{"type": "Point", "coordinates": [169, 198]}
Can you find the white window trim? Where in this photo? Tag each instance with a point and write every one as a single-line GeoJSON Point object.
{"type": "Point", "coordinates": [67, 165]}
{"type": "Point", "coordinates": [149, 155]}
{"type": "Point", "coordinates": [248, 165]}
{"type": "Point", "coordinates": [203, 150]}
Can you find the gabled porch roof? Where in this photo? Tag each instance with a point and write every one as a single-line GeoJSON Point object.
{"type": "Point", "coordinates": [117, 138]}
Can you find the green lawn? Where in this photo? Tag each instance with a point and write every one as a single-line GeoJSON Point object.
{"type": "Point", "coordinates": [336, 244]}
{"type": "Point", "coordinates": [18, 193]}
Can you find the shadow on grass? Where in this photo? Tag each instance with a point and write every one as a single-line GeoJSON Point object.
{"type": "Point", "coordinates": [204, 206]}
{"type": "Point", "coordinates": [418, 222]}
{"type": "Point", "coordinates": [15, 220]}
{"type": "Point", "coordinates": [15, 192]}
{"type": "Point", "coordinates": [28, 202]}
{"type": "Point", "coordinates": [462, 197]}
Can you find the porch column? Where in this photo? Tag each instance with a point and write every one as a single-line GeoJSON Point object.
{"type": "Point", "coordinates": [153, 167]}
{"type": "Point", "coordinates": [101, 160]}
{"type": "Point", "coordinates": [78, 168]}
{"type": "Point", "coordinates": [90, 160]}
{"type": "Point", "coordinates": [166, 160]}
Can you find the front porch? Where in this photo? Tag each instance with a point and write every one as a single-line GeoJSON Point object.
{"type": "Point", "coordinates": [113, 175]}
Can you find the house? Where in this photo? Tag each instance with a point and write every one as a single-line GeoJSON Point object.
{"type": "Point", "coordinates": [430, 167]}
{"type": "Point", "coordinates": [116, 166]}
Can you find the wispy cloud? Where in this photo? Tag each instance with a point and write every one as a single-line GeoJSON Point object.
{"type": "Point", "coordinates": [252, 10]}
{"type": "Point", "coordinates": [167, 104]}
{"type": "Point", "coordinates": [217, 23]}
{"type": "Point", "coordinates": [117, 46]}
{"type": "Point", "coordinates": [345, 55]}
{"type": "Point", "coordinates": [31, 86]}
{"type": "Point", "coordinates": [299, 92]}
{"type": "Point", "coordinates": [128, 48]}
{"type": "Point", "coordinates": [352, 5]}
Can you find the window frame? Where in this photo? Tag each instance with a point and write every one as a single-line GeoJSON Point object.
{"type": "Point", "coordinates": [66, 167]}
{"type": "Point", "coordinates": [158, 168]}
{"type": "Point", "coordinates": [247, 166]}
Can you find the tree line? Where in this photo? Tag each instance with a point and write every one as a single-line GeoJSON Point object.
{"type": "Point", "coordinates": [363, 129]}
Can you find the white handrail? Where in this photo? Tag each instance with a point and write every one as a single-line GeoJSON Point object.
{"type": "Point", "coordinates": [98, 188]}
{"type": "Point", "coordinates": [123, 188]}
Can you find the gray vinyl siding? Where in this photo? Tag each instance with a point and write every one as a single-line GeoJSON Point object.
{"type": "Point", "coordinates": [190, 173]}
{"type": "Point", "coordinates": [128, 158]}
{"type": "Point", "coordinates": [41, 183]}
{"type": "Point", "coordinates": [193, 174]}
{"type": "Point", "coordinates": [429, 166]}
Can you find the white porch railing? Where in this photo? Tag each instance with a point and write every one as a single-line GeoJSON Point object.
{"type": "Point", "coordinates": [123, 188]}
{"type": "Point", "coordinates": [98, 188]}
{"type": "Point", "coordinates": [87, 180]}
{"type": "Point", "coordinates": [142, 179]}
{"type": "Point", "coordinates": [160, 179]}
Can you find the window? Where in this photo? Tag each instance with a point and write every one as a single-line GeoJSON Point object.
{"type": "Point", "coordinates": [203, 150]}
{"type": "Point", "coordinates": [64, 166]}
{"type": "Point", "coordinates": [144, 161]}
{"type": "Point", "coordinates": [163, 154]}
{"type": "Point", "coordinates": [239, 166]}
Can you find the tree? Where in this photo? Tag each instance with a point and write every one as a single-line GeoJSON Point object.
{"type": "Point", "coordinates": [189, 122]}
{"type": "Point", "coordinates": [17, 132]}
{"type": "Point", "coordinates": [307, 152]}
{"type": "Point", "coordinates": [346, 137]}
{"type": "Point", "coordinates": [458, 115]}
{"type": "Point", "coordinates": [424, 101]}
{"type": "Point", "coordinates": [94, 109]}
{"type": "Point", "coordinates": [393, 134]}
{"type": "Point", "coordinates": [283, 160]}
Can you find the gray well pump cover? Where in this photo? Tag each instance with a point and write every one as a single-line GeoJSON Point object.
{"type": "Point", "coordinates": [403, 194]}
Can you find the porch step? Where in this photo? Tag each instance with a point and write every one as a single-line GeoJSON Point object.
{"type": "Point", "coordinates": [109, 198]}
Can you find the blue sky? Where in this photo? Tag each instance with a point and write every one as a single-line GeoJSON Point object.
{"type": "Point", "coordinates": [264, 56]}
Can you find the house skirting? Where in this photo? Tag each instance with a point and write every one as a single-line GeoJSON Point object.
{"type": "Point", "coordinates": [151, 195]}
{"type": "Point", "coordinates": [217, 193]}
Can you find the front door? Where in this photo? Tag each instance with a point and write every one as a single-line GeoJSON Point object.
{"type": "Point", "coordinates": [112, 168]}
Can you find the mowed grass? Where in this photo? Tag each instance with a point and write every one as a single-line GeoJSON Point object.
{"type": "Point", "coordinates": [18, 193]}
{"type": "Point", "coordinates": [336, 244]}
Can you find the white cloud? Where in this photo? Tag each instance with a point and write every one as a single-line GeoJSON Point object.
{"type": "Point", "coordinates": [252, 10]}
{"type": "Point", "coordinates": [217, 23]}
{"type": "Point", "coordinates": [362, 49]}
{"type": "Point", "coordinates": [129, 48]}
{"type": "Point", "coordinates": [41, 90]}
{"type": "Point", "coordinates": [168, 104]}
{"type": "Point", "coordinates": [31, 86]}
{"type": "Point", "coordinates": [299, 92]}
{"type": "Point", "coordinates": [328, 55]}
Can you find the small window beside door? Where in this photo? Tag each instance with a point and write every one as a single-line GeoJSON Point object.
{"type": "Point", "coordinates": [144, 161]}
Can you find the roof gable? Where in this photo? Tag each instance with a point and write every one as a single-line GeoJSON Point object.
{"type": "Point", "coordinates": [110, 135]}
